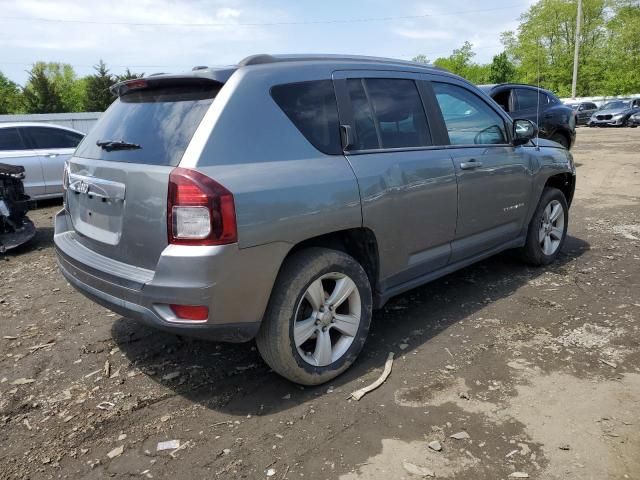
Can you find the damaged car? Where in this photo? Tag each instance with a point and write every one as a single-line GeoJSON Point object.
{"type": "Point", "coordinates": [615, 113]}
{"type": "Point", "coordinates": [15, 227]}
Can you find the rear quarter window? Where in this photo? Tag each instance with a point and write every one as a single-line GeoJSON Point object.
{"type": "Point", "coordinates": [160, 120]}
{"type": "Point", "coordinates": [312, 108]}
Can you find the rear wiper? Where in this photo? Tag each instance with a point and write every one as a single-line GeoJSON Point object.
{"type": "Point", "coordinates": [109, 145]}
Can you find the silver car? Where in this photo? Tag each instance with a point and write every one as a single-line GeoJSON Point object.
{"type": "Point", "coordinates": [615, 113]}
{"type": "Point", "coordinates": [286, 197]}
{"type": "Point", "coordinates": [42, 150]}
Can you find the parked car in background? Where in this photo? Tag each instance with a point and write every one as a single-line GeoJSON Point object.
{"type": "Point", "coordinates": [634, 120]}
{"type": "Point", "coordinates": [615, 113]}
{"type": "Point", "coordinates": [285, 197]}
{"type": "Point", "coordinates": [42, 150]}
{"type": "Point", "coordinates": [583, 111]}
{"type": "Point", "coordinates": [555, 120]}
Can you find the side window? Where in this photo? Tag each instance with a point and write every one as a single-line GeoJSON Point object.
{"type": "Point", "coordinates": [10, 139]}
{"type": "Point", "coordinates": [399, 112]}
{"type": "Point", "coordinates": [46, 137]}
{"type": "Point", "coordinates": [312, 108]}
{"type": "Point", "coordinates": [527, 98]}
{"type": "Point", "coordinates": [366, 134]}
{"type": "Point", "coordinates": [468, 118]}
{"type": "Point", "coordinates": [388, 113]}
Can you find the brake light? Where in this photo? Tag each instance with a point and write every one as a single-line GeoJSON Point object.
{"type": "Point", "coordinates": [190, 312]}
{"type": "Point", "coordinates": [200, 211]}
{"type": "Point", "coordinates": [136, 83]}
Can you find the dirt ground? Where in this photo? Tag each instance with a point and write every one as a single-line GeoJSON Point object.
{"type": "Point", "coordinates": [539, 369]}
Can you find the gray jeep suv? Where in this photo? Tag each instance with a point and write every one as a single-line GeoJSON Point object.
{"type": "Point", "coordinates": [286, 197]}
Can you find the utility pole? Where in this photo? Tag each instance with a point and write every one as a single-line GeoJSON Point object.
{"type": "Point", "coordinates": [576, 50]}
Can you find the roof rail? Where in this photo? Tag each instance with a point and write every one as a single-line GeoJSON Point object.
{"type": "Point", "coordinates": [257, 59]}
{"type": "Point", "coordinates": [266, 58]}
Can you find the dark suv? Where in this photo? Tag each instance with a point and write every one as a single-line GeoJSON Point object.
{"type": "Point", "coordinates": [285, 197]}
{"type": "Point", "coordinates": [555, 120]}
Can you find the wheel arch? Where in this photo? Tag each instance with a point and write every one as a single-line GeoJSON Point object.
{"type": "Point", "coordinates": [360, 243]}
{"type": "Point", "coordinates": [565, 182]}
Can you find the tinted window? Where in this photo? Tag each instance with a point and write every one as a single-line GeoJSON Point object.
{"type": "Point", "coordinates": [591, 106]}
{"type": "Point", "coordinates": [160, 120]}
{"type": "Point", "coordinates": [312, 108]}
{"type": "Point", "coordinates": [468, 118]}
{"type": "Point", "coordinates": [47, 137]}
{"type": "Point", "coordinates": [529, 98]}
{"type": "Point", "coordinates": [398, 110]}
{"type": "Point", "coordinates": [10, 139]}
{"type": "Point", "coordinates": [366, 135]}
{"type": "Point", "coordinates": [388, 113]}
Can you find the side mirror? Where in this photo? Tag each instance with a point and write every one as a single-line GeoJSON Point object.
{"type": "Point", "coordinates": [523, 132]}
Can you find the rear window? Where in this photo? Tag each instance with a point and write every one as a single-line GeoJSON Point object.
{"type": "Point", "coordinates": [160, 120]}
{"type": "Point", "coordinates": [312, 108]}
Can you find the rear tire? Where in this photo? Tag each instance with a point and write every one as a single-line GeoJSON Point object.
{"type": "Point", "coordinates": [548, 228]}
{"type": "Point", "coordinates": [318, 316]}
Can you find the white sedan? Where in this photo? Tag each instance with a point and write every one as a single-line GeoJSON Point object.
{"type": "Point", "coordinates": [42, 150]}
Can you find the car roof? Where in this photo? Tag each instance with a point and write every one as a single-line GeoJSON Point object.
{"type": "Point", "coordinates": [38, 124]}
{"type": "Point", "coordinates": [222, 74]}
{"type": "Point", "coordinates": [493, 86]}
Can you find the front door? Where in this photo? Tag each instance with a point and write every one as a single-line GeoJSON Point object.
{"type": "Point", "coordinates": [407, 187]}
{"type": "Point", "coordinates": [494, 177]}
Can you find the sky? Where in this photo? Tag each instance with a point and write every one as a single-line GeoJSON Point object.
{"type": "Point", "coordinates": [153, 36]}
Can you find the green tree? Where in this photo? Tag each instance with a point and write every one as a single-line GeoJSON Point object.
{"type": "Point", "coordinates": [420, 59]}
{"type": "Point", "coordinates": [501, 69]}
{"type": "Point", "coordinates": [10, 96]}
{"type": "Point", "coordinates": [461, 63]}
{"type": "Point", "coordinates": [621, 75]}
{"type": "Point", "coordinates": [59, 82]}
{"type": "Point", "coordinates": [543, 45]}
{"type": "Point", "coordinates": [40, 93]}
{"type": "Point", "coordinates": [129, 75]}
{"type": "Point", "coordinates": [97, 87]}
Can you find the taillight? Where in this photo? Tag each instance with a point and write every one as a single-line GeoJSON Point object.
{"type": "Point", "coordinates": [196, 313]}
{"type": "Point", "coordinates": [200, 211]}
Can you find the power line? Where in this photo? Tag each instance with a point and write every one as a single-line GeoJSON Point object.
{"type": "Point", "coordinates": [256, 24]}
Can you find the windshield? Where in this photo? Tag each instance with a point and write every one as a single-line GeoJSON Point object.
{"type": "Point", "coordinates": [615, 105]}
{"type": "Point", "coordinates": [150, 126]}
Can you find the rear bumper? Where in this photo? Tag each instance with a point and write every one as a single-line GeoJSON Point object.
{"type": "Point", "coordinates": [234, 283]}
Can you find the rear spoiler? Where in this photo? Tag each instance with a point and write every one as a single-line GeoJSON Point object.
{"type": "Point", "coordinates": [199, 78]}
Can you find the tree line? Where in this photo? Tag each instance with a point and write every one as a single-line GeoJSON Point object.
{"type": "Point", "coordinates": [55, 87]}
{"type": "Point", "coordinates": [540, 50]}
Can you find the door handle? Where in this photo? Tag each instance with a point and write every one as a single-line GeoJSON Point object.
{"type": "Point", "coordinates": [470, 165]}
{"type": "Point", "coordinates": [52, 155]}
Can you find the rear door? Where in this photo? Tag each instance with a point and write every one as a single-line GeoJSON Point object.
{"type": "Point", "coordinates": [407, 186]}
{"type": "Point", "coordinates": [15, 151]}
{"type": "Point", "coordinates": [117, 196]}
{"type": "Point", "coordinates": [494, 178]}
{"type": "Point", "coordinates": [54, 147]}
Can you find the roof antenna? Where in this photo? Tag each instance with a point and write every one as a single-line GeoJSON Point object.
{"type": "Point", "coordinates": [538, 105]}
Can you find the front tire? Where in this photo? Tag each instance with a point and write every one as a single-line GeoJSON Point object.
{"type": "Point", "coordinates": [318, 316]}
{"type": "Point", "coordinates": [548, 228]}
